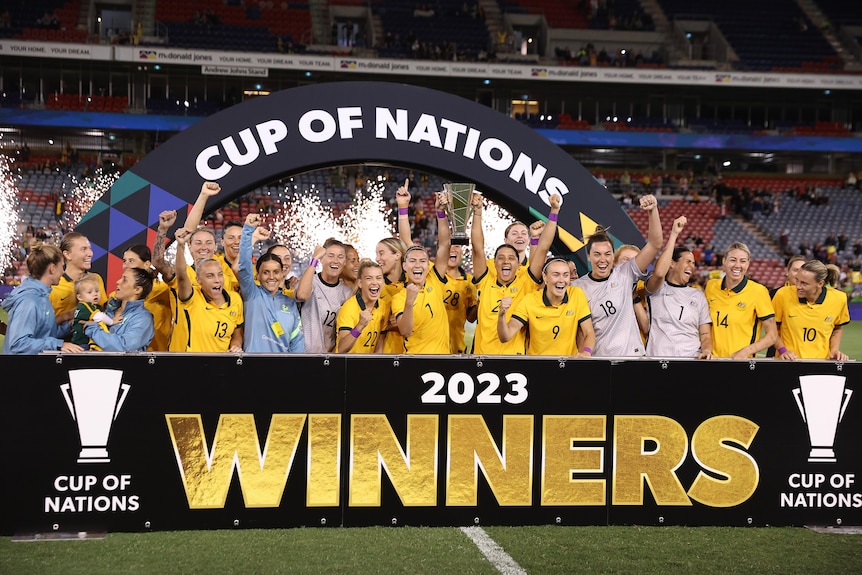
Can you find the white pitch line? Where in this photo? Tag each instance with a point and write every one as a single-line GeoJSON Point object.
{"type": "Point", "coordinates": [501, 560]}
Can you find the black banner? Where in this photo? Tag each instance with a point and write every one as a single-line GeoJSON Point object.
{"type": "Point", "coordinates": [165, 441]}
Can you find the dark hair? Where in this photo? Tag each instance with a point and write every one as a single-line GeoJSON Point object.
{"type": "Point", "coordinates": [231, 224]}
{"type": "Point", "coordinates": [678, 251]}
{"type": "Point", "coordinates": [510, 246]}
{"type": "Point", "coordinates": [600, 235]}
{"type": "Point", "coordinates": [142, 251]}
{"type": "Point", "coordinates": [144, 280]}
{"type": "Point", "coordinates": [268, 257]}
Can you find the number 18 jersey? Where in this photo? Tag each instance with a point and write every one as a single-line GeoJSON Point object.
{"type": "Point", "coordinates": [613, 314]}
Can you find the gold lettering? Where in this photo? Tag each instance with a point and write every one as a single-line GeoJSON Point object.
{"type": "Point", "coordinates": [634, 464]}
{"type": "Point", "coordinates": [324, 460]}
{"type": "Point", "coordinates": [738, 469]}
{"type": "Point", "coordinates": [207, 475]}
{"type": "Point", "coordinates": [373, 446]}
{"type": "Point", "coordinates": [560, 458]}
{"type": "Point", "coordinates": [470, 446]}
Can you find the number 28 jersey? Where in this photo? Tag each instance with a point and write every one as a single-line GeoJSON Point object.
{"type": "Point", "coordinates": [613, 314]}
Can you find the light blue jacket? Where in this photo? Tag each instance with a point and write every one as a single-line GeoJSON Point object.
{"type": "Point", "coordinates": [263, 311]}
{"type": "Point", "coordinates": [32, 326]}
{"type": "Point", "coordinates": [133, 333]}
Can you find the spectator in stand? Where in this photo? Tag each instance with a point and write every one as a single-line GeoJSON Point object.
{"type": "Point", "coordinates": [803, 333]}
{"type": "Point", "coordinates": [32, 326]}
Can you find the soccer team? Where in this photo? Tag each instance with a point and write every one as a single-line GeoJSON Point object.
{"type": "Point", "coordinates": [523, 302]}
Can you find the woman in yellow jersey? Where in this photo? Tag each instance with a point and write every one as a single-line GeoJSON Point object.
{"type": "Point", "coordinates": [362, 320]}
{"type": "Point", "coordinates": [556, 317]}
{"type": "Point", "coordinates": [506, 282]}
{"type": "Point", "coordinates": [739, 308]}
{"type": "Point", "coordinates": [212, 315]}
{"type": "Point", "coordinates": [419, 309]}
{"type": "Point", "coordinates": [158, 302]}
{"type": "Point", "coordinates": [389, 253]}
{"type": "Point", "coordinates": [811, 317]}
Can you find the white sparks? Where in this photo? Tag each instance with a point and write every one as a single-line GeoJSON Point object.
{"type": "Point", "coordinates": [84, 194]}
{"type": "Point", "coordinates": [8, 215]}
{"type": "Point", "coordinates": [366, 221]}
{"type": "Point", "coordinates": [303, 222]}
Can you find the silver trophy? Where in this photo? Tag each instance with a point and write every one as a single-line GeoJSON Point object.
{"type": "Point", "coordinates": [458, 210]}
{"type": "Point", "coordinates": [822, 400]}
{"type": "Point", "coordinates": [94, 398]}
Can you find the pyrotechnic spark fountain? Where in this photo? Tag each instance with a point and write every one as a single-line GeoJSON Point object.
{"type": "Point", "coordinates": [304, 222]}
{"type": "Point", "coordinates": [366, 221]}
{"type": "Point", "coordinates": [8, 215]}
{"type": "Point", "coordinates": [83, 194]}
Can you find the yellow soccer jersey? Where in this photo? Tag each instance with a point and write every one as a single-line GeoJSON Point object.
{"type": "Point", "coordinates": [489, 293]}
{"type": "Point", "coordinates": [231, 283]}
{"type": "Point", "coordinates": [348, 318]}
{"type": "Point", "coordinates": [736, 314]}
{"type": "Point", "coordinates": [459, 297]}
{"type": "Point", "coordinates": [552, 330]}
{"type": "Point", "coordinates": [430, 321]}
{"type": "Point", "coordinates": [806, 328]}
{"type": "Point", "coordinates": [63, 295]}
{"type": "Point", "coordinates": [393, 343]}
{"type": "Point", "coordinates": [209, 328]}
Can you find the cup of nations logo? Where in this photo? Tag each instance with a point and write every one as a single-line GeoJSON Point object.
{"type": "Point", "coordinates": [94, 398]}
{"type": "Point", "coordinates": [822, 401]}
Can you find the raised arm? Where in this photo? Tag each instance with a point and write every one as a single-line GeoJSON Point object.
{"type": "Point", "coordinates": [444, 234]}
{"type": "Point", "coordinates": [208, 190]}
{"type": "Point", "coordinates": [537, 257]}
{"type": "Point", "coordinates": [245, 264]}
{"type": "Point", "coordinates": [405, 320]}
{"type": "Point", "coordinates": [166, 221]}
{"type": "Point", "coordinates": [402, 198]}
{"type": "Point", "coordinates": [184, 282]}
{"type": "Point", "coordinates": [306, 280]}
{"type": "Point", "coordinates": [662, 266]}
{"type": "Point", "coordinates": [477, 238]}
{"type": "Point", "coordinates": [654, 238]}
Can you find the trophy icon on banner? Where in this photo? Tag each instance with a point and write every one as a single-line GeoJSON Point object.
{"type": "Point", "coordinates": [458, 210]}
{"type": "Point", "coordinates": [94, 397]}
{"type": "Point", "coordinates": [822, 401]}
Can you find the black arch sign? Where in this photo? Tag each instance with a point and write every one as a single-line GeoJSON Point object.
{"type": "Point", "coordinates": [323, 125]}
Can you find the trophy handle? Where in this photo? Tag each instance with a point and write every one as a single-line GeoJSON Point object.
{"type": "Point", "coordinates": [124, 387]}
{"type": "Point", "coordinates": [796, 395]}
{"type": "Point", "coordinates": [844, 401]}
{"type": "Point", "coordinates": [68, 397]}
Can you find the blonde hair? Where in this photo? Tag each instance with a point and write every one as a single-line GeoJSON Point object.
{"type": "Point", "coordinates": [87, 277]}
